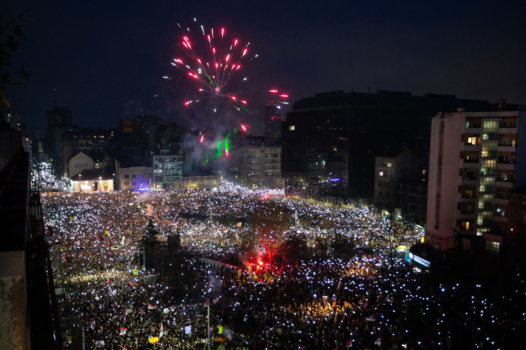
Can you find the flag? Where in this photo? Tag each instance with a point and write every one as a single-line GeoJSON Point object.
{"type": "Point", "coordinates": [371, 318]}
{"type": "Point", "coordinates": [123, 330]}
{"type": "Point", "coordinates": [161, 333]}
{"type": "Point", "coordinates": [172, 308]}
{"type": "Point", "coordinates": [150, 306]}
{"type": "Point", "coordinates": [93, 323]}
{"type": "Point", "coordinates": [349, 344]}
{"type": "Point", "coordinates": [216, 300]}
{"type": "Point", "coordinates": [124, 347]}
{"type": "Point", "coordinates": [133, 285]}
{"type": "Point", "coordinates": [378, 342]}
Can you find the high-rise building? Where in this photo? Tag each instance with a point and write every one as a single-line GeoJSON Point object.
{"type": "Point", "coordinates": [475, 161]}
{"type": "Point", "coordinates": [273, 120]}
{"type": "Point", "coordinates": [59, 120]}
{"type": "Point", "coordinates": [361, 125]}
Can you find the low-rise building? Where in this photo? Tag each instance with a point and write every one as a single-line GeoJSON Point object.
{"type": "Point", "coordinates": [201, 180]}
{"type": "Point", "coordinates": [92, 181]}
{"type": "Point", "coordinates": [135, 178]}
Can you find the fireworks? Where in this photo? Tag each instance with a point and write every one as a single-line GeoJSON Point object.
{"type": "Point", "coordinates": [213, 62]}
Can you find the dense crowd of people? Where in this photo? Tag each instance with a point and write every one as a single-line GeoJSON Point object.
{"type": "Point", "coordinates": [319, 302]}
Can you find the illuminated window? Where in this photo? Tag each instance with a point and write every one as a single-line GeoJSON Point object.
{"type": "Point", "coordinates": [389, 165]}
{"type": "Point", "coordinates": [488, 168]}
{"type": "Point", "coordinates": [424, 172]}
{"type": "Point", "coordinates": [487, 184]}
{"type": "Point", "coordinates": [489, 150]}
{"type": "Point", "coordinates": [490, 130]}
{"type": "Point", "coordinates": [292, 127]}
{"type": "Point", "coordinates": [335, 148]}
{"type": "Point", "coordinates": [493, 247]}
{"type": "Point", "coordinates": [381, 173]}
{"type": "Point", "coordinates": [485, 218]}
{"type": "Point", "coordinates": [486, 201]}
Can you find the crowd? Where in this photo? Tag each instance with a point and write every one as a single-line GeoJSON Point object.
{"type": "Point", "coordinates": [323, 302]}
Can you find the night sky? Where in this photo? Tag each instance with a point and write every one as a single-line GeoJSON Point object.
{"type": "Point", "coordinates": [107, 58]}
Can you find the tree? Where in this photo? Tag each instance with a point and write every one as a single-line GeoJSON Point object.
{"type": "Point", "coordinates": [269, 223]}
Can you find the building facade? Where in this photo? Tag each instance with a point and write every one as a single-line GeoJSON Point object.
{"type": "Point", "coordinates": [474, 164]}
{"type": "Point", "coordinates": [257, 163]}
{"type": "Point", "coordinates": [201, 180]}
{"type": "Point", "coordinates": [84, 140]}
{"type": "Point", "coordinates": [401, 181]}
{"type": "Point", "coordinates": [59, 120]}
{"type": "Point", "coordinates": [273, 119]}
{"type": "Point", "coordinates": [167, 170]}
{"type": "Point", "coordinates": [362, 125]}
{"type": "Point", "coordinates": [135, 178]}
{"type": "Point", "coordinates": [92, 181]}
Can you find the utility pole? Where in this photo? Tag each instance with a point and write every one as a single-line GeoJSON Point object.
{"type": "Point", "coordinates": [144, 256]}
{"type": "Point", "coordinates": [208, 324]}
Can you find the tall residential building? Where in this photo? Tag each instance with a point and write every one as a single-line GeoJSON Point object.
{"type": "Point", "coordinates": [362, 125]}
{"type": "Point", "coordinates": [476, 159]}
{"type": "Point", "coordinates": [167, 170]}
{"type": "Point", "coordinates": [256, 162]}
{"type": "Point", "coordinates": [273, 120]}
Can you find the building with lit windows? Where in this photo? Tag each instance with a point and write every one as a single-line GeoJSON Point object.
{"type": "Point", "coordinates": [167, 170]}
{"type": "Point", "coordinates": [135, 178]}
{"type": "Point", "coordinates": [362, 125]}
{"type": "Point", "coordinates": [91, 181]}
{"type": "Point", "coordinates": [476, 160]}
{"type": "Point", "coordinates": [256, 162]}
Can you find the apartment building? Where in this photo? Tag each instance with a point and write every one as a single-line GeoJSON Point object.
{"type": "Point", "coordinates": [475, 161]}
{"type": "Point", "coordinates": [257, 163]}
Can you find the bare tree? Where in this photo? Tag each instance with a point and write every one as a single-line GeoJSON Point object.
{"type": "Point", "coordinates": [269, 223]}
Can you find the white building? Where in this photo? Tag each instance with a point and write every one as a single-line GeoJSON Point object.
{"type": "Point", "coordinates": [92, 181]}
{"type": "Point", "coordinates": [474, 163]}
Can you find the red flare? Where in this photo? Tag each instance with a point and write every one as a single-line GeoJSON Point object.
{"type": "Point", "coordinates": [243, 127]}
{"type": "Point", "coordinates": [234, 98]}
{"type": "Point", "coordinates": [284, 96]}
{"type": "Point", "coordinates": [235, 42]}
{"type": "Point", "coordinates": [208, 38]}
{"type": "Point", "coordinates": [222, 32]}
{"type": "Point", "coordinates": [217, 65]}
{"type": "Point", "coordinates": [238, 66]}
{"type": "Point", "coordinates": [244, 52]}
{"type": "Point", "coordinates": [185, 45]}
{"type": "Point", "coordinates": [274, 91]}
{"type": "Point", "coordinates": [187, 103]}
{"type": "Point", "coordinates": [202, 138]}
{"type": "Point", "coordinates": [199, 60]}
{"type": "Point", "coordinates": [244, 102]}
{"type": "Point", "coordinates": [190, 74]}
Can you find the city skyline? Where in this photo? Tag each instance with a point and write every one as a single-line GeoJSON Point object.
{"type": "Point", "coordinates": [106, 69]}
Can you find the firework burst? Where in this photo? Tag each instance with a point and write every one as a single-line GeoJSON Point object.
{"type": "Point", "coordinates": [213, 62]}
